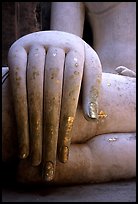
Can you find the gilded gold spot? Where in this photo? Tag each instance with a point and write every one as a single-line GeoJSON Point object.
{"type": "Point", "coordinates": [49, 171]}
{"type": "Point", "coordinates": [64, 153]}
{"type": "Point", "coordinates": [23, 156]}
{"type": "Point", "coordinates": [93, 109]}
{"type": "Point", "coordinates": [68, 127]}
{"type": "Point", "coordinates": [69, 123]}
{"type": "Point", "coordinates": [113, 139]}
{"type": "Point", "coordinates": [102, 115]}
{"type": "Point", "coordinates": [108, 84]}
{"type": "Point", "coordinates": [75, 59]}
{"type": "Point", "coordinates": [70, 119]}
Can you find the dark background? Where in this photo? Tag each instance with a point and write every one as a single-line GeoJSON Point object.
{"type": "Point", "coordinates": [22, 18]}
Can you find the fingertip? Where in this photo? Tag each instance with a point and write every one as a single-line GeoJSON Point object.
{"type": "Point", "coordinates": [48, 171]}
{"type": "Point", "coordinates": [35, 161]}
{"type": "Point", "coordinates": [23, 154]}
{"type": "Point", "coordinates": [90, 111]}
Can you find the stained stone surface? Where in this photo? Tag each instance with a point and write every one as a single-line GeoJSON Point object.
{"type": "Point", "coordinates": [121, 191]}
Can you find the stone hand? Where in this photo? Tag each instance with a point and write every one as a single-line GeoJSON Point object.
{"type": "Point", "coordinates": [93, 145]}
{"type": "Point", "coordinates": [125, 71]}
{"type": "Point", "coordinates": [46, 70]}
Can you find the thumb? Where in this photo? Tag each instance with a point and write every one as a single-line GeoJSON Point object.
{"type": "Point", "coordinates": [91, 83]}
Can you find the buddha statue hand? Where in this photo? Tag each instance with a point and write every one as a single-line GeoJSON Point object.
{"type": "Point", "coordinates": [122, 70]}
{"type": "Point", "coordinates": [46, 72]}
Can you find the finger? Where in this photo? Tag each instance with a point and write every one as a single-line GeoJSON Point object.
{"type": "Point", "coordinates": [128, 72]}
{"type": "Point", "coordinates": [119, 69]}
{"type": "Point", "coordinates": [125, 71]}
{"type": "Point", "coordinates": [35, 73]}
{"type": "Point", "coordinates": [52, 102]}
{"type": "Point", "coordinates": [17, 60]}
{"type": "Point", "coordinates": [91, 83]}
{"type": "Point", "coordinates": [5, 74]}
{"type": "Point", "coordinates": [9, 137]}
{"type": "Point", "coordinates": [71, 89]}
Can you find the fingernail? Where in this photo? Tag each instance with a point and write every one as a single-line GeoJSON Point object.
{"type": "Point", "coordinates": [35, 161]}
{"type": "Point", "coordinates": [93, 110]}
{"type": "Point", "coordinates": [64, 153]}
{"type": "Point", "coordinates": [23, 151]}
{"type": "Point", "coordinates": [48, 171]}
{"type": "Point", "coordinates": [23, 154]}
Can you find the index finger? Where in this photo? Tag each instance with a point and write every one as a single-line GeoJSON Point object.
{"type": "Point", "coordinates": [71, 89]}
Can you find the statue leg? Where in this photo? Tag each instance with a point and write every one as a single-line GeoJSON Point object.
{"type": "Point", "coordinates": [103, 158]}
